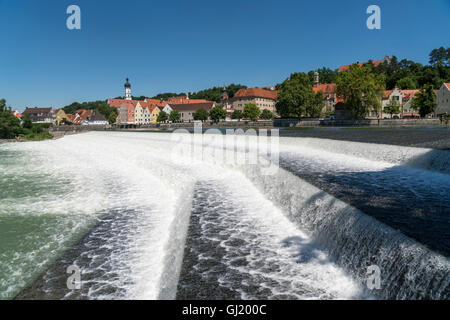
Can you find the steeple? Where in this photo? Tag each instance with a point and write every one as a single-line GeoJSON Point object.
{"type": "Point", "coordinates": [127, 90]}
{"type": "Point", "coordinates": [316, 79]}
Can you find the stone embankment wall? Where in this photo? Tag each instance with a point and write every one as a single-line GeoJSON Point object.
{"type": "Point", "coordinates": [286, 123]}
{"type": "Point", "coordinates": [75, 129]}
{"type": "Point", "coordinates": [206, 124]}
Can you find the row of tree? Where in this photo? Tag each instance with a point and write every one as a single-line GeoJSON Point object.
{"type": "Point", "coordinates": [217, 113]}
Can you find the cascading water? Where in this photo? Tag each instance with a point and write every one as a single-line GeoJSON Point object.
{"type": "Point", "coordinates": [142, 224]}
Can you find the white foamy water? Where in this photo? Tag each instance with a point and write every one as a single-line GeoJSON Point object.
{"type": "Point", "coordinates": [139, 201]}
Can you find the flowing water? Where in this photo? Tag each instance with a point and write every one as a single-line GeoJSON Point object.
{"type": "Point", "coordinates": [142, 221]}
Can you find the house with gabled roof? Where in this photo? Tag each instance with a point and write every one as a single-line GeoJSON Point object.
{"type": "Point", "coordinates": [265, 99]}
{"type": "Point", "coordinates": [41, 115]}
{"type": "Point", "coordinates": [443, 100]}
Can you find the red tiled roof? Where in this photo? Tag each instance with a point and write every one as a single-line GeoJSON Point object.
{"type": "Point", "coordinates": [326, 88]}
{"type": "Point", "coordinates": [376, 63]}
{"type": "Point", "coordinates": [387, 93]}
{"type": "Point", "coordinates": [256, 93]}
{"type": "Point", "coordinates": [192, 106]}
{"type": "Point", "coordinates": [37, 110]}
{"type": "Point", "coordinates": [447, 84]}
{"type": "Point", "coordinates": [408, 94]}
{"type": "Point", "coordinates": [117, 103]}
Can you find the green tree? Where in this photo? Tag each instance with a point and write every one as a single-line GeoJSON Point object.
{"type": "Point", "coordinates": [425, 101]}
{"type": "Point", "coordinates": [295, 96]}
{"type": "Point", "coordinates": [174, 115]}
{"type": "Point", "coordinates": [112, 118]}
{"type": "Point", "coordinates": [393, 107]}
{"type": "Point", "coordinates": [251, 111]}
{"type": "Point", "coordinates": [162, 116]}
{"type": "Point", "coordinates": [9, 124]}
{"type": "Point", "coordinates": [201, 115]}
{"type": "Point", "coordinates": [406, 83]}
{"type": "Point", "coordinates": [166, 95]}
{"type": "Point", "coordinates": [217, 113]}
{"type": "Point", "coordinates": [314, 108]}
{"type": "Point", "coordinates": [104, 109]}
{"type": "Point", "coordinates": [440, 57]}
{"type": "Point", "coordinates": [26, 121]}
{"type": "Point", "coordinates": [266, 114]}
{"type": "Point", "coordinates": [237, 114]}
{"type": "Point", "coordinates": [215, 94]}
{"type": "Point", "coordinates": [361, 90]}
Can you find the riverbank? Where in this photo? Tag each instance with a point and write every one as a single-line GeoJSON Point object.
{"type": "Point", "coordinates": [419, 137]}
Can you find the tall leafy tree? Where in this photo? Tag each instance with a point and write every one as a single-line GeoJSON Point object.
{"type": "Point", "coordinates": [425, 101]}
{"type": "Point", "coordinates": [9, 124]}
{"type": "Point", "coordinates": [174, 115]}
{"type": "Point", "coordinates": [162, 116]}
{"type": "Point", "coordinates": [251, 111]}
{"type": "Point", "coordinates": [314, 108]}
{"type": "Point", "coordinates": [296, 97]}
{"type": "Point", "coordinates": [112, 118]}
{"type": "Point", "coordinates": [440, 57]}
{"type": "Point", "coordinates": [361, 90]}
{"type": "Point", "coordinates": [26, 121]}
{"type": "Point", "coordinates": [393, 107]}
{"type": "Point", "coordinates": [201, 114]}
{"type": "Point", "coordinates": [237, 114]}
{"type": "Point", "coordinates": [217, 113]}
{"type": "Point", "coordinates": [266, 114]}
{"type": "Point", "coordinates": [406, 83]}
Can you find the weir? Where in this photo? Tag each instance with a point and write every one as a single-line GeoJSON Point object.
{"type": "Point", "coordinates": [356, 241]}
{"type": "Point", "coordinates": [254, 235]}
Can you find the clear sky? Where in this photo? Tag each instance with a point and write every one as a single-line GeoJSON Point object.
{"type": "Point", "coordinates": [181, 46]}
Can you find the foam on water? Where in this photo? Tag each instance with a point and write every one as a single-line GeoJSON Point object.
{"type": "Point", "coordinates": [279, 236]}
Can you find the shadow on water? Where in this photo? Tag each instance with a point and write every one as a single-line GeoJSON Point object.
{"type": "Point", "coordinates": [412, 200]}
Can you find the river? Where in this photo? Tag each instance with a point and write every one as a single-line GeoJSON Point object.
{"type": "Point", "coordinates": [143, 218]}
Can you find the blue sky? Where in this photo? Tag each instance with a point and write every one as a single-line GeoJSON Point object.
{"type": "Point", "coordinates": [181, 46]}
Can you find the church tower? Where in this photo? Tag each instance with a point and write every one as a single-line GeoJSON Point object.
{"type": "Point", "coordinates": [316, 79]}
{"type": "Point", "coordinates": [127, 90]}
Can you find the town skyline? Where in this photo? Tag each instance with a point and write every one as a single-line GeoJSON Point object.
{"type": "Point", "coordinates": [55, 66]}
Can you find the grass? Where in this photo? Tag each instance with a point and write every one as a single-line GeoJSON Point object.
{"type": "Point", "coordinates": [33, 136]}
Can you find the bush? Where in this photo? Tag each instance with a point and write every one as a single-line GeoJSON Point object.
{"type": "Point", "coordinates": [266, 114]}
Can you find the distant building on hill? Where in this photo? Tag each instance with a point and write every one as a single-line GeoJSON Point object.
{"type": "Point", "coordinates": [376, 63]}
